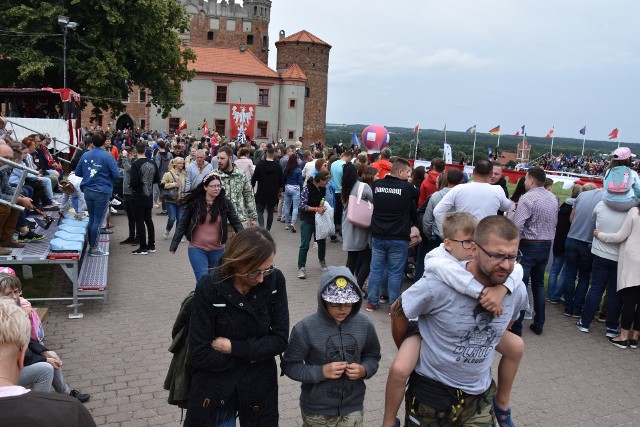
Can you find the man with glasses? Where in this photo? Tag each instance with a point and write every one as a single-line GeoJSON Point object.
{"type": "Point", "coordinates": [452, 383]}
{"type": "Point", "coordinates": [536, 217]}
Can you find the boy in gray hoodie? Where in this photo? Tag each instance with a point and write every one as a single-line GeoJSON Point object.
{"type": "Point", "coordinates": [331, 352]}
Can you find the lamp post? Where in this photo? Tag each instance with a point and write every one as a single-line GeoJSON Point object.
{"type": "Point", "coordinates": [66, 25]}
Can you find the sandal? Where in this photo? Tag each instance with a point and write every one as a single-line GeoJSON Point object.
{"type": "Point", "coordinates": [502, 415]}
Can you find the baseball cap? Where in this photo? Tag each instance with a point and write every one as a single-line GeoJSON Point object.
{"type": "Point", "coordinates": [623, 153]}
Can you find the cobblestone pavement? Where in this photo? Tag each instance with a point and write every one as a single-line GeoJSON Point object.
{"type": "Point", "coordinates": [118, 351]}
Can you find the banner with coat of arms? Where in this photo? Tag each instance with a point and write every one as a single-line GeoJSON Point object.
{"type": "Point", "coordinates": [242, 119]}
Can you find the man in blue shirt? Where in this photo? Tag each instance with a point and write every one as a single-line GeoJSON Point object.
{"type": "Point", "coordinates": [98, 169]}
{"type": "Point", "coordinates": [336, 184]}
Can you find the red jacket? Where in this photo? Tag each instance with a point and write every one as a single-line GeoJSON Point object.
{"type": "Point", "coordinates": [429, 186]}
{"type": "Point", "coordinates": [383, 166]}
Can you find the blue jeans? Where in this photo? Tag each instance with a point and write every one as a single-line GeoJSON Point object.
{"type": "Point", "coordinates": [291, 195]}
{"type": "Point", "coordinates": [97, 204]}
{"type": "Point", "coordinates": [174, 213]}
{"type": "Point", "coordinates": [535, 256]}
{"type": "Point", "coordinates": [554, 291]}
{"type": "Point", "coordinates": [201, 260]}
{"type": "Point", "coordinates": [578, 262]}
{"type": "Point", "coordinates": [604, 275]}
{"type": "Point", "coordinates": [391, 254]}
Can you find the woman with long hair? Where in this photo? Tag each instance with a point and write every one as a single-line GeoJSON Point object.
{"type": "Point", "coordinates": [239, 323]}
{"type": "Point", "coordinates": [292, 185]}
{"type": "Point", "coordinates": [369, 175]}
{"type": "Point", "coordinates": [311, 202]}
{"type": "Point", "coordinates": [204, 224]}
{"type": "Point", "coordinates": [355, 239]}
{"type": "Point", "coordinates": [417, 176]}
{"type": "Point", "coordinates": [176, 177]}
{"type": "Point", "coordinates": [628, 273]}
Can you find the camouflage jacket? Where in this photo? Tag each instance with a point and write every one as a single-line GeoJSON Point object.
{"type": "Point", "coordinates": [238, 189]}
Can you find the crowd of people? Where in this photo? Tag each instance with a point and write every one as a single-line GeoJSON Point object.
{"type": "Point", "coordinates": [476, 251]}
{"type": "Point", "coordinates": [586, 165]}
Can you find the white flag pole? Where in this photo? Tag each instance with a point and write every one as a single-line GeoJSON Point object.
{"type": "Point", "coordinates": [473, 154]}
{"type": "Point", "coordinates": [584, 138]}
{"type": "Point", "coordinates": [415, 156]}
{"type": "Point", "coordinates": [618, 137]}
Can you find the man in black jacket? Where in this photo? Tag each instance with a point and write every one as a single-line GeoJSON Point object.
{"type": "Point", "coordinates": [393, 198]}
{"type": "Point", "coordinates": [144, 173]}
{"type": "Point", "coordinates": [270, 179]}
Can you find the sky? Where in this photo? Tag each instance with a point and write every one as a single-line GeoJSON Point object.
{"type": "Point", "coordinates": [543, 64]}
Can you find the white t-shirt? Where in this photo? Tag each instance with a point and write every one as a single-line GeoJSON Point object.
{"type": "Point", "coordinates": [478, 198]}
{"type": "Point", "coordinates": [458, 336]}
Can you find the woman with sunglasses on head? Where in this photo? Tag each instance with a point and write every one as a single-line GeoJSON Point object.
{"type": "Point", "coordinates": [239, 323]}
{"type": "Point", "coordinates": [204, 224]}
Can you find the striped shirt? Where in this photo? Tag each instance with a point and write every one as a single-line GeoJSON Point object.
{"type": "Point", "coordinates": [537, 214]}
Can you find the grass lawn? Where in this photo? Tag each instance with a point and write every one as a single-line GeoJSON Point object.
{"type": "Point", "coordinates": [557, 190]}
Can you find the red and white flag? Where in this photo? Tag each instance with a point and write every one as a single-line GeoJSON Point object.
{"type": "Point", "coordinates": [417, 128]}
{"type": "Point", "coordinates": [205, 130]}
{"type": "Point", "coordinates": [550, 133]}
{"type": "Point", "coordinates": [614, 134]}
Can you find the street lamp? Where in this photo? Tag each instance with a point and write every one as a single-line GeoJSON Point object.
{"type": "Point", "coordinates": [66, 25]}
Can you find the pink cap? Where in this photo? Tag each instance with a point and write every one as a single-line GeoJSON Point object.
{"type": "Point", "coordinates": [623, 153]}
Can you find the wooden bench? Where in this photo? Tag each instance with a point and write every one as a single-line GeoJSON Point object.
{"type": "Point", "coordinates": [43, 312]}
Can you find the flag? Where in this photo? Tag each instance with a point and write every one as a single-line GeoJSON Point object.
{"type": "Point", "coordinates": [520, 131]}
{"type": "Point", "coordinates": [415, 129]}
{"type": "Point", "coordinates": [205, 132]}
{"type": "Point", "coordinates": [550, 133]}
{"type": "Point", "coordinates": [472, 129]}
{"type": "Point", "coordinates": [355, 140]}
{"type": "Point", "coordinates": [203, 124]}
{"type": "Point", "coordinates": [182, 126]}
{"type": "Point", "coordinates": [495, 130]}
{"type": "Point", "coordinates": [614, 134]}
{"type": "Point", "coordinates": [583, 130]}
{"type": "Point", "coordinates": [445, 129]}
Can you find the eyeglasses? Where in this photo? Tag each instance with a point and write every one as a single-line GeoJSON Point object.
{"type": "Point", "coordinates": [500, 257]}
{"type": "Point", "coordinates": [336, 305]}
{"type": "Point", "coordinates": [255, 274]}
{"type": "Point", "coordinates": [215, 186]}
{"type": "Point", "coordinates": [15, 292]}
{"type": "Point", "coordinates": [466, 244]}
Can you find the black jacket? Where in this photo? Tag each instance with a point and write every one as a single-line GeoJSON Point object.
{"type": "Point", "coordinates": [562, 228]}
{"type": "Point", "coordinates": [34, 353]}
{"type": "Point", "coordinates": [394, 208]}
{"type": "Point", "coordinates": [268, 175]}
{"type": "Point", "coordinates": [189, 221]}
{"type": "Point", "coordinates": [258, 326]}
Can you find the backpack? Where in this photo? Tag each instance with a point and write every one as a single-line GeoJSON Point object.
{"type": "Point", "coordinates": [178, 380]}
{"type": "Point", "coordinates": [618, 180]}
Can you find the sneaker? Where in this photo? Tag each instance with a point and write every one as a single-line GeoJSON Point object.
{"type": "Point", "coordinates": [113, 210]}
{"type": "Point", "coordinates": [151, 249]}
{"type": "Point", "coordinates": [30, 236]}
{"type": "Point", "coordinates": [536, 330]}
{"type": "Point", "coordinates": [293, 228]}
{"type": "Point", "coordinates": [129, 241]}
{"type": "Point", "coordinates": [82, 397]}
{"type": "Point", "coordinates": [140, 251]}
{"type": "Point", "coordinates": [163, 213]}
{"type": "Point", "coordinates": [552, 301]}
{"type": "Point", "coordinates": [602, 318]}
{"type": "Point", "coordinates": [576, 315]}
{"type": "Point", "coordinates": [633, 343]}
{"type": "Point", "coordinates": [566, 313]}
{"type": "Point", "coordinates": [287, 227]}
{"type": "Point", "coordinates": [323, 265]}
{"type": "Point", "coordinates": [98, 252]}
{"type": "Point", "coordinates": [582, 328]}
{"type": "Point", "coordinates": [279, 219]}
{"type": "Point", "coordinates": [383, 299]}
{"type": "Point", "coordinates": [105, 231]}
{"type": "Point", "coordinates": [612, 332]}
{"type": "Point", "coordinates": [115, 202]}
{"type": "Point", "coordinates": [619, 344]}
{"type": "Point", "coordinates": [371, 307]}
{"type": "Point", "coordinates": [302, 273]}
{"type": "Point", "coordinates": [528, 315]}
{"type": "Point", "coordinates": [165, 234]}
{"type": "Point", "coordinates": [315, 245]}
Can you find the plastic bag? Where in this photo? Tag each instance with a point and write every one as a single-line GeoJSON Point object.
{"type": "Point", "coordinates": [324, 223]}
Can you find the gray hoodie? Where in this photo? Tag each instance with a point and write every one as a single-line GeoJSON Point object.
{"type": "Point", "coordinates": [317, 340]}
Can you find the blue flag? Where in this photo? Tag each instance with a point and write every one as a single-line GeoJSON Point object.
{"type": "Point", "coordinates": [583, 130]}
{"type": "Point", "coordinates": [355, 140]}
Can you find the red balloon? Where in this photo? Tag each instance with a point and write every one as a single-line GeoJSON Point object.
{"type": "Point", "coordinates": [375, 138]}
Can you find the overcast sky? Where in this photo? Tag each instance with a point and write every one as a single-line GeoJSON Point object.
{"type": "Point", "coordinates": [494, 62]}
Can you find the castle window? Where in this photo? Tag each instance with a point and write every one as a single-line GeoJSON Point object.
{"type": "Point", "coordinates": [174, 123]}
{"type": "Point", "coordinates": [291, 135]}
{"type": "Point", "coordinates": [220, 126]}
{"type": "Point", "coordinates": [263, 128]}
{"type": "Point", "coordinates": [292, 103]}
{"type": "Point", "coordinates": [307, 92]}
{"type": "Point", "coordinates": [209, 35]}
{"type": "Point", "coordinates": [255, 10]}
{"type": "Point", "coordinates": [250, 39]}
{"type": "Point", "coordinates": [265, 41]}
{"type": "Point", "coordinates": [221, 93]}
{"type": "Point", "coordinates": [143, 123]}
{"type": "Point", "coordinates": [142, 96]}
{"type": "Point", "coordinates": [263, 97]}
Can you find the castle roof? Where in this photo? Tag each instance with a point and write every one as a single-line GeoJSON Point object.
{"type": "Point", "coordinates": [229, 61]}
{"type": "Point", "coordinates": [294, 72]}
{"type": "Point", "coordinates": [303, 37]}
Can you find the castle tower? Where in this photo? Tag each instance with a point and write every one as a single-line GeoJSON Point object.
{"type": "Point", "coordinates": [226, 24]}
{"type": "Point", "coordinates": [312, 55]}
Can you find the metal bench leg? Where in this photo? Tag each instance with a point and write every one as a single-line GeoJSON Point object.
{"type": "Point", "coordinates": [71, 270]}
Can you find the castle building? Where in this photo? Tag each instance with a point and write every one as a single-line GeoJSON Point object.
{"type": "Point", "coordinates": [231, 42]}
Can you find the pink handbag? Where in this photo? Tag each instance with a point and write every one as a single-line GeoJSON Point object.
{"type": "Point", "coordinates": [359, 211]}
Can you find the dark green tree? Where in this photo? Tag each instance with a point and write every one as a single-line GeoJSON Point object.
{"type": "Point", "coordinates": [116, 45]}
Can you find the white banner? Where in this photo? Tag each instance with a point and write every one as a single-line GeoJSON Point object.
{"type": "Point", "coordinates": [448, 158]}
{"type": "Point", "coordinates": [56, 128]}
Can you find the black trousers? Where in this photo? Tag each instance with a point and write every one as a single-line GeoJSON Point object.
{"type": "Point", "coordinates": [260, 208]}
{"type": "Point", "coordinates": [630, 308]}
{"type": "Point", "coordinates": [142, 215]}
{"type": "Point", "coordinates": [128, 208]}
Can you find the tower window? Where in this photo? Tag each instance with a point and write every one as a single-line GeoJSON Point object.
{"type": "Point", "coordinates": [307, 92]}
{"type": "Point", "coordinates": [250, 39]}
{"type": "Point", "coordinates": [292, 103]}
{"type": "Point", "coordinates": [210, 35]}
{"type": "Point", "coordinates": [265, 41]}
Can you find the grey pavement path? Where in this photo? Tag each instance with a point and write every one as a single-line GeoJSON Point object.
{"type": "Point", "coordinates": [118, 351]}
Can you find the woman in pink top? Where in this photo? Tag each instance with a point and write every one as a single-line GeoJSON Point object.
{"type": "Point", "coordinates": [204, 224]}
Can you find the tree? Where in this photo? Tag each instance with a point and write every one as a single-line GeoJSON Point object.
{"type": "Point", "coordinates": [116, 45]}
